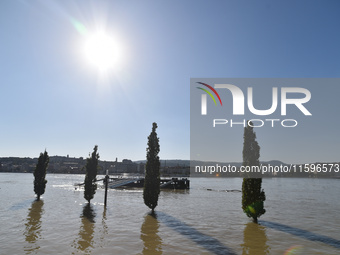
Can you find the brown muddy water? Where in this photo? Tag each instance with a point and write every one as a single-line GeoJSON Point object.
{"type": "Point", "coordinates": [302, 217]}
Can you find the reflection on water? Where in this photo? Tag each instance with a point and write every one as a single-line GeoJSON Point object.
{"type": "Point", "coordinates": [254, 240]}
{"type": "Point", "coordinates": [85, 241]}
{"type": "Point", "coordinates": [88, 213]}
{"type": "Point", "coordinates": [105, 227]}
{"type": "Point", "coordinates": [150, 237]}
{"type": "Point", "coordinates": [104, 230]}
{"type": "Point", "coordinates": [33, 226]}
{"type": "Point", "coordinates": [196, 221]}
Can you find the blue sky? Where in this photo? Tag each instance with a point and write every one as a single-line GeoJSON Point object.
{"type": "Point", "coordinates": [51, 98]}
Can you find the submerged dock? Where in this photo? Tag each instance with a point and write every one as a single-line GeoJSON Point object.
{"type": "Point", "coordinates": [165, 183]}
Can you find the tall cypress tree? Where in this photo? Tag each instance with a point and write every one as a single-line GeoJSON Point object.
{"type": "Point", "coordinates": [152, 175]}
{"type": "Point", "coordinates": [91, 174]}
{"type": "Point", "coordinates": [252, 194]}
{"type": "Point", "coordinates": [40, 174]}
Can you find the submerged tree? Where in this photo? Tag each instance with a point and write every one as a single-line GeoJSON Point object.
{"type": "Point", "coordinates": [152, 175]}
{"type": "Point", "coordinates": [40, 174]}
{"type": "Point", "coordinates": [91, 175]}
{"type": "Point", "coordinates": [252, 194]}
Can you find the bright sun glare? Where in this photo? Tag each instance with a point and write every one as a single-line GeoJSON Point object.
{"type": "Point", "coordinates": [102, 51]}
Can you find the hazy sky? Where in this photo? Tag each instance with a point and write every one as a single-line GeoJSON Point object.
{"type": "Point", "coordinates": [53, 98]}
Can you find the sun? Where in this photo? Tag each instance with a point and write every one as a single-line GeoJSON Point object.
{"type": "Point", "coordinates": [101, 51]}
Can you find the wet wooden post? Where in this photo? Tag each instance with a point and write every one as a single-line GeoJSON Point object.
{"type": "Point", "coordinates": [106, 185]}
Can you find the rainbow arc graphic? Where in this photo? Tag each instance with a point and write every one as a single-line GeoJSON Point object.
{"type": "Point", "coordinates": [209, 93]}
{"type": "Point", "coordinates": [204, 97]}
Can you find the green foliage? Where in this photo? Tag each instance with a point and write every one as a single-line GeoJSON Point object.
{"type": "Point", "coordinates": [152, 174]}
{"type": "Point", "coordinates": [40, 174]}
{"type": "Point", "coordinates": [251, 149]}
{"type": "Point", "coordinates": [91, 174]}
{"type": "Point", "coordinates": [253, 196]}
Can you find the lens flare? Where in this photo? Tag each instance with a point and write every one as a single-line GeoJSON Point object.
{"type": "Point", "coordinates": [251, 209]}
{"type": "Point", "coordinates": [294, 250]}
{"type": "Point", "coordinates": [79, 26]}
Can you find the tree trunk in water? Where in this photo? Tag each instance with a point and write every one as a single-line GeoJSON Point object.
{"type": "Point", "coordinates": [255, 220]}
{"type": "Point", "coordinates": [38, 198]}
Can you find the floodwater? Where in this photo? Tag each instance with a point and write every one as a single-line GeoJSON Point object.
{"type": "Point", "coordinates": [302, 216]}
